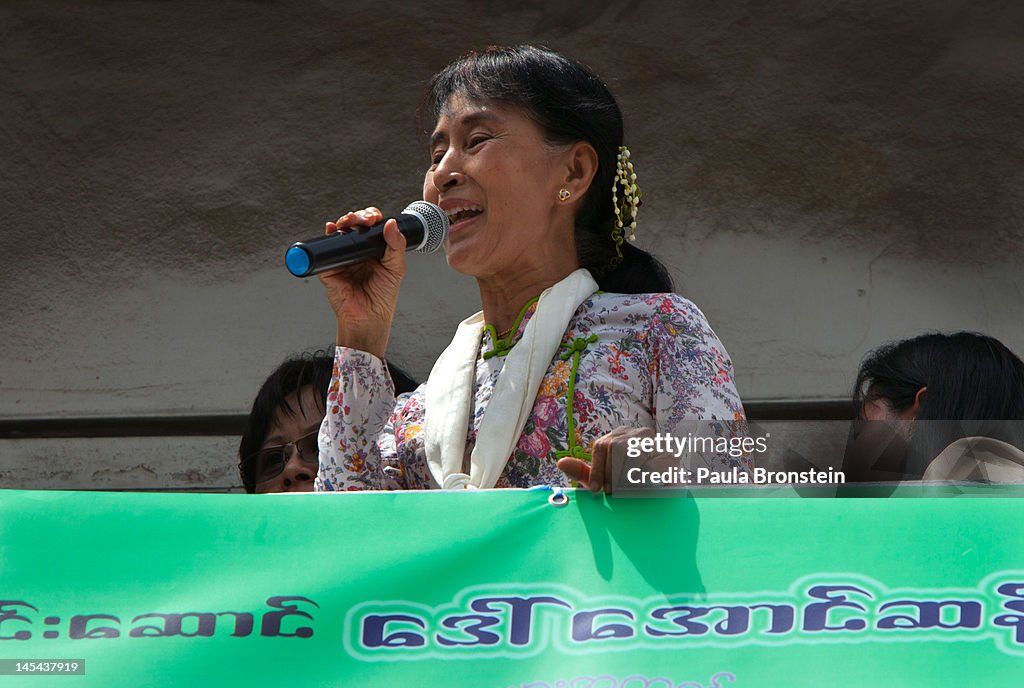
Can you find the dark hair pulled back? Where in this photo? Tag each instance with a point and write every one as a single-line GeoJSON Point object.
{"type": "Point", "coordinates": [569, 103]}
{"type": "Point", "coordinates": [968, 377]}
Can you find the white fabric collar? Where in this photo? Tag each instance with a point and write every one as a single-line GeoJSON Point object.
{"type": "Point", "coordinates": [449, 392]}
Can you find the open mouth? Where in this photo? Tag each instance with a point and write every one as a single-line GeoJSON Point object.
{"type": "Point", "coordinates": [456, 215]}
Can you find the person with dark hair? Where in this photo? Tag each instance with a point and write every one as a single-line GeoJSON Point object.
{"type": "Point", "coordinates": [278, 450]}
{"type": "Point", "coordinates": [580, 344]}
{"type": "Point", "coordinates": [949, 403]}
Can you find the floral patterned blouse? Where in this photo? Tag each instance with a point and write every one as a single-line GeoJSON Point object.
{"type": "Point", "coordinates": [642, 360]}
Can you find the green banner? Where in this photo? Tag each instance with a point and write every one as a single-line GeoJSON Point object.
{"type": "Point", "coordinates": [504, 588]}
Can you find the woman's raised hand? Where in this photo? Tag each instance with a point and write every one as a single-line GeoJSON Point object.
{"type": "Point", "coordinates": [364, 296]}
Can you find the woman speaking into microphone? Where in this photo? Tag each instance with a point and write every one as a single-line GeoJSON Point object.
{"type": "Point", "coordinates": [580, 345]}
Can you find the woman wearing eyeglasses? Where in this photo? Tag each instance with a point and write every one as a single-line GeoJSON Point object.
{"type": "Point", "coordinates": [278, 451]}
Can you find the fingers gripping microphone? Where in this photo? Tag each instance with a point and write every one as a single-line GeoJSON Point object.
{"type": "Point", "coordinates": [423, 224]}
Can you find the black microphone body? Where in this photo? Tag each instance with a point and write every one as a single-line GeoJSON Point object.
{"type": "Point", "coordinates": [423, 224]}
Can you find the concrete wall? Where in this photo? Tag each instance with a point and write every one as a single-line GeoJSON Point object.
{"type": "Point", "coordinates": [820, 177]}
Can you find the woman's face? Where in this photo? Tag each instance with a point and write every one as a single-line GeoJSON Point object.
{"type": "Point", "coordinates": [498, 180]}
{"type": "Point", "coordinates": [300, 462]}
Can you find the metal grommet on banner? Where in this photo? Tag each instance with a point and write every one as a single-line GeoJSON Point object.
{"type": "Point", "coordinates": [558, 497]}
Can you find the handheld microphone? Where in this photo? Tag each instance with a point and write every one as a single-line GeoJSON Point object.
{"type": "Point", "coordinates": [424, 225]}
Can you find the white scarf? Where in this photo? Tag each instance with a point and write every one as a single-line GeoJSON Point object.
{"type": "Point", "coordinates": [449, 393]}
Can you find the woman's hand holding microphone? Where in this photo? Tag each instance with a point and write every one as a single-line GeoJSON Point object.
{"type": "Point", "coordinates": [364, 296]}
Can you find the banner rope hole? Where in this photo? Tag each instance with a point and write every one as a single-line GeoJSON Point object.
{"type": "Point", "coordinates": [558, 497]}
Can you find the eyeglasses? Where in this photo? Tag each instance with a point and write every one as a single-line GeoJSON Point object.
{"type": "Point", "coordinates": [267, 464]}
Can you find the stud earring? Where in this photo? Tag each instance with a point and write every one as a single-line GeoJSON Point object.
{"type": "Point", "coordinates": [564, 194]}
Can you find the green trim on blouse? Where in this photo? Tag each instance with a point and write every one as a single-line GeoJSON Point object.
{"type": "Point", "coordinates": [503, 346]}
{"type": "Point", "coordinates": [576, 347]}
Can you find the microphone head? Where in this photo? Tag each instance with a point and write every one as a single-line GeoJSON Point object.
{"type": "Point", "coordinates": [435, 224]}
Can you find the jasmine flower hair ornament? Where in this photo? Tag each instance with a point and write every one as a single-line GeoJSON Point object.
{"type": "Point", "coordinates": [625, 206]}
